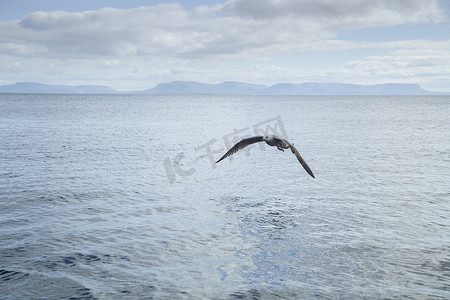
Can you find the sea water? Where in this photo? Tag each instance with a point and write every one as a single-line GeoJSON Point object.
{"type": "Point", "coordinates": [116, 196]}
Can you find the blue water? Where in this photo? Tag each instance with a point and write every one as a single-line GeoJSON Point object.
{"type": "Point", "coordinates": [116, 196]}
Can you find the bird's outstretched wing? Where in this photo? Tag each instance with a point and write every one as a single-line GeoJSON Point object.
{"type": "Point", "coordinates": [300, 158]}
{"type": "Point", "coordinates": [242, 144]}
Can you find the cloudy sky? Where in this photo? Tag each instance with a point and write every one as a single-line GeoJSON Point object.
{"type": "Point", "coordinates": [135, 44]}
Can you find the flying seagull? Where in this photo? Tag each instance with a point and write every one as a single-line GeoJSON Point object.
{"type": "Point", "coordinates": [271, 140]}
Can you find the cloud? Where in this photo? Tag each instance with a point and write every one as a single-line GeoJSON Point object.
{"type": "Point", "coordinates": [422, 62]}
{"type": "Point", "coordinates": [354, 13]}
{"type": "Point", "coordinates": [155, 30]}
{"type": "Point", "coordinates": [238, 27]}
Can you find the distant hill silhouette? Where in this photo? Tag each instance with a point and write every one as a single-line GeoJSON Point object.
{"type": "Point", "coordinates": [192, 87]}
{"type": "Point", "coordinates": [229, 88]}
{"type": "Point", "coordinates": [39, 88]}
{"type": "Point", "coordinates": [311, 88]}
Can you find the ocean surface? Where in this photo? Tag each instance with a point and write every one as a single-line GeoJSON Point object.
{"type": "Point", "coordinates": [118, 196]}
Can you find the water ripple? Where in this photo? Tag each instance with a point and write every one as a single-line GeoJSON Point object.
{"type": "Point", "coordinates": [91, 209]}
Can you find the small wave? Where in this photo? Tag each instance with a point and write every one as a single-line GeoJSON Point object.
{"type": "Point", "coordinates": [6, 275]}
{"type": "Point", "coordinates": [73, 260]}
{"type": "Point", "coordinates": [22, 285]}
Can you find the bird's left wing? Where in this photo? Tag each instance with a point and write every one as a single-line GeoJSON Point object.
{"type": "Point", "coordinates": [242, 144]}
{"type": "Point", "coordinates": [300, 158]}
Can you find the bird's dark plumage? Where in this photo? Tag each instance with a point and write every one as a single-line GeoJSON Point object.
{"type": "Point", "coordinates": [300, 159]}
{"type": "Point", "coordinates": [271, 141]}
{"type": "Point", "coordinates": [242, 144]}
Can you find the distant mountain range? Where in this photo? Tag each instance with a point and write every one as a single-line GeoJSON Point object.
{"type": "Point", "coordinates": [39, 88]}
{"type": "Point", "coordinates": [229, 88]}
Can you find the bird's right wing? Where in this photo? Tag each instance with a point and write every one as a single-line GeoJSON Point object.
{"type": "Point", "coordinates": [242, 144]}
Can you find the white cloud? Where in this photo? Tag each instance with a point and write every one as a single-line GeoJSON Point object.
{"type": "Point", "coordinates": [351, 13]}
{"type": "Point", "coordinates": [427, 65]}
{"type": "Point", "coordinates": [235, 28]}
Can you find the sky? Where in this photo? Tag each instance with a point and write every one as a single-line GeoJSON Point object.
{"type": "Point", "coordinates": [136, 44]}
